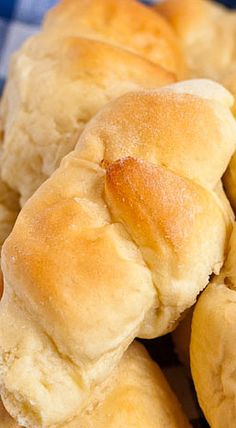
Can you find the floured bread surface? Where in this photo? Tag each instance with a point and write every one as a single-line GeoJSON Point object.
{"type": "Point", "coordinates": [117, 243]}
{"type": "Point", "coordinates": [54, 88]}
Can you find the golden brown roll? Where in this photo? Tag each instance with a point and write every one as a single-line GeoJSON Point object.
{"type": "Point", "coordinates": [116, 244]}
{"type": "Point", "coordinates": [207, 32]}
{"type": "Point", "coordinates": [182, 334]}
{"type": "Point", "coordinates": [137, 395]}
{"type": "Point", "coordinates": [124, 23]}
{"type": "Point", "coordinates": [213, 354]}
{"type": "Point", "coordinates": [53, 90]}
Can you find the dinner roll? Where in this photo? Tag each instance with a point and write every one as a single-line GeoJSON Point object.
{"type": "Point", "coordinates": [124, 23]}
{"type": "Point", "coordinates": [207, 33]}
{"type": "Point", "coordinates": [213, 355]}
{"type": "Point", "coordinates": [54, 88]}
{"type": "Point", "coordinates": [137, 395]}
{"type": "Point", "coordinates": [117, 243]}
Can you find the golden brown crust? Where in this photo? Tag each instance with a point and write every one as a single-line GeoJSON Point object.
{"type": "Point", "coordinates": [114, 270]}
{"type": "Point", "coordinates": [152, 202]}
{"type": "Point", "coordinates": [72, 78]}
{"type": "Point", "coordinates": [127, 24]}
{"type": "Point", "coordinates": [166, 216]}
{"type": "Point", "coordinates": [179, 127]}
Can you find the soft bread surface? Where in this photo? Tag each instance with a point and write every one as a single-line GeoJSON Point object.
{"type": "Point", "coordinates": [54, 88]}
{"type": "Point", "coordinates": [207, 33]}
{"type": "Point", "coordinates": [213, 352]}
{"type": "Point", "coordinates": [137, 395]}
{"type": "Point", "coordinates": [96, 259]}
{"type": "Point", "coordinates": [124, 23]}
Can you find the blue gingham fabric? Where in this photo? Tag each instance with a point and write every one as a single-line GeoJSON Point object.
{"type": "Point", "coordinates": [18, 20]}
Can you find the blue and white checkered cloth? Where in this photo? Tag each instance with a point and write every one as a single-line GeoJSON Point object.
{"type": "Point", "coordinates": [19, 19]}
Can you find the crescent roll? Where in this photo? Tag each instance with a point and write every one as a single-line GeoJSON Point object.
{"type": "Point", "coordinates": [117, 243]}
{"type": "Point", "coordinates": [53, 89]}
{"type": "Point", "coordinates": [124, 23]}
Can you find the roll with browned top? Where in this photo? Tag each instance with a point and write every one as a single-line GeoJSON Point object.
{"type": "Point", "coordinates": [116, 244]}
{"type": "Point", "coordinates": [124, 23]}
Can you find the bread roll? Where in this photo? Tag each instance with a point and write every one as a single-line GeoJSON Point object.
{"type": "Point", "coordinates": [207, 33]}
{"type": "Point", "coordinates": [54, 88]}
{"type": "Point", "coordinates": [213, 355]}
{"type": "Point", "coordinates": [137, 395]}
{"type": "Point", "coordinates": [116, 244]}
{"type": "Point", "coordinates": [124, 23]}
{"type": "Point", "coordinates": [182, 334]}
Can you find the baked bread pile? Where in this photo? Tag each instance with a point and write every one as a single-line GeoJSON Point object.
{"type": "Point", "coordinates": [117, 161]}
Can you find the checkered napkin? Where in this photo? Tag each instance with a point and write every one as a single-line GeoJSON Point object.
{"type": "Point", "coordinates": [20, 19]}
